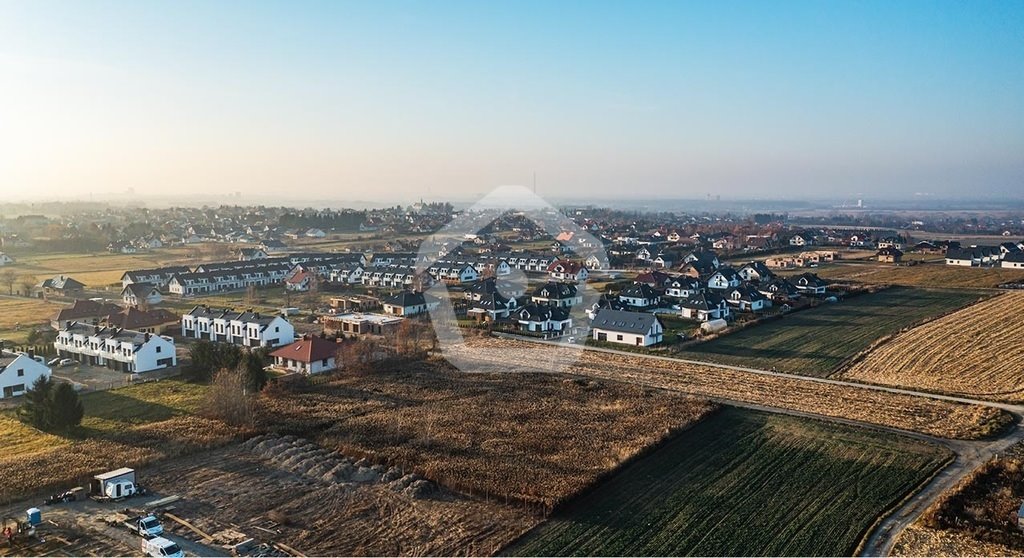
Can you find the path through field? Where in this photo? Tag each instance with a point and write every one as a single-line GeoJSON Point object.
{"type": "Point", "coordinates": [969, 454]}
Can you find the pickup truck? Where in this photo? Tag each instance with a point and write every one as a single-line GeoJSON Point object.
{"type": "Point", "coordinates": [159, 547]}
{"type": "Point", "coordinates": [145, 526]}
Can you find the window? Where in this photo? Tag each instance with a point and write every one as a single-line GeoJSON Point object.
{"type": "Point", "coordinates": [325, 362]}
{"type": "Point", "coordinates": [158, 349]}
{"type": "Point", "coordinates": [21, 372]}
{"type": "Point", "coordinates": [618, 338]}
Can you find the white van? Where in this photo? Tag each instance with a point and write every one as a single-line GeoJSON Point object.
{"type": "Point", "coordinates": [159, 547]}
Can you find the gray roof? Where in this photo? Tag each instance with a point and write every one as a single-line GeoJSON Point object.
{"type": "Point", "coordinates": [624, 322]}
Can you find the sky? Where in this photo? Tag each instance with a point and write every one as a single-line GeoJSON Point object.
{"type": "Point", "coordinates": [393, 101]}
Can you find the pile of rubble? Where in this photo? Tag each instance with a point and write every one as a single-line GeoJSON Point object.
{"type": "Point", "coordinates": [307, 459]}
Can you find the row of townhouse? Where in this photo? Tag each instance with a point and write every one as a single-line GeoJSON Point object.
{"type": "Point", "coordinates": [246, 328]}
{"type": "Point", "coordinates": [119, 349]}
{"type": "Point", "coordinates": [394, 277]}
{"type": "Point", "coordinates": [1006, 254]}
{"type": "Point", "coordinates": [527, 262]}
{"type": "Point", "coordinates": [159, 276]}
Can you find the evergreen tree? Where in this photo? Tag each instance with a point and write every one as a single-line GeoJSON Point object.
{"type": "Point", "coordinates": [252, 365]}
{"type": "Point", "coordinates": [35, 409]}
{"type": "Point", "coordinates": [66, 408]}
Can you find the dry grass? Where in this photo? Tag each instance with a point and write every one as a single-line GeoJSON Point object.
{"type": "Point", "coordinates": [923, 275]}
{"type": "Point", "coordinates": [73, 463]}
{"type": "Point", "coordinates": [531, 438]}
{"type": "Point", "coordinates": [983, 506]}
{"type": "Point", "coordinates": [231, 487]}
{"type": "Point", "coordinates": [976, 351]}
{"type": "Point", "coordinates": [918, 414]}
{"type": "Point", "coordinates": [100, 269]}
{"type": "Point", "coordinates": [918, 540]}
{"type": "Point", "coordinates": [24, 311]}
{"type": "Point", "coordinates": [21, 439]}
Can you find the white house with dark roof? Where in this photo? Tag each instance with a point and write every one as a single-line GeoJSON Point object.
{"type": "Point", "coordinates": [18, 371]}
{"type": "Point", "coordinates": [409, 303]}
{"type": "Point", "coordinates": [542, 318]}
{"type": "Point", "coordinates": [248, 328]}
{"type": "Point", "coordinates": [119, 349]}
{"type": "Point", "coordinates": [1014, 260]}
{"type": "Point", "coordinates": [628, 328]}
{"type": "Point", "coordinates": [135, 294]}
{"type": "Point", "coordinates": [157, 276]}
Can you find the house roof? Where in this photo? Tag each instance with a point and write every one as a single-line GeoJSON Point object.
{"type": "Point", "coordinates": [407, 298]}
{"type": "Point", "coordinates": [623, 321]}
{"type": "Point", "coordinates": [308, 349]}
{"type": "Point", "coordinates": [133, 318]}
{"type": "Point", "coordinates": [62, 282]}
{"type": "Point", "coordinates": [565, 266]}
{"type": "Point", "coordinates": [556, 290]}
{"type": "Point", "coordinates": [639, 290]}
{"type": "Point", "coordinates": [140, 290]}
{"type": "Point", "coordinates": [85, 309]}
{"type": "Point", "coordinates": [542, 313]}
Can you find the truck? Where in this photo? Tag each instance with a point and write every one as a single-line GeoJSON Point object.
{"type": "Point", "coordinates": [144, 525]}
{"type": "Point", "coordinates": [114, 485]}
{"type": "Point", "coordinates": [159, 547]}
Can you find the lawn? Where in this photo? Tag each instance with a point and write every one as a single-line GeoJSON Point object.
{"type": "Point", "coordinates": [21, 312]}
{"type": "Point", "coordinates": [816, 341]}
{"type": "Point", "coordinates": [743, 483]}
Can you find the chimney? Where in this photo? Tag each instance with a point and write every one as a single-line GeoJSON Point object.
{"type": "Point", "coordinates": [32, 354]}
{"type": "Point", "coordinates": [146, 337]}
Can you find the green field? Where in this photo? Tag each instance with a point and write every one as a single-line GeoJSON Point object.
{"type": "Point", "coordinates": [814, 342]}
{"type": "Point", "coordinates": [743, 483]}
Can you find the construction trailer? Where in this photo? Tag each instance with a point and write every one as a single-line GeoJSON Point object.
{"type": "Point", "coordinates": [112, 483]}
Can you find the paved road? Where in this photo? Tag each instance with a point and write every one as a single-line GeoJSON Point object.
{"type": "Point", "coordinates": [969, 454]}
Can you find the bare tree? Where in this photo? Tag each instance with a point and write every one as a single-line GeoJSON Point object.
{"type": "Point", "coordinates": [228, 399]}
{"type": "Point", "coordinates": [8, 277]}
{"type": "Point", "coordinates": [27, 284]}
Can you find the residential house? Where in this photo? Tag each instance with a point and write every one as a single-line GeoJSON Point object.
{"type": "Point", "coordinates": [62, 285]}
{"type": "Point", "coordinates": [747, 299]}
{"type": "Point", "coordinates": [889, 255]}
{"type": "Point", "coordinates": [491, 307]}
{"type": "Point", "coordinates": [248, 328]}
{"type": "Point", "coordinates": [1013, 261]}
{"type": "Point", "coordinates": [557, 294]}
{"type": "Point", "coordinates": [312, 354]}
{"type": "Point", "coordinates": [84, 312]}
{"type": "Point", "coordinates": [18, 371]}
{"type": "Point", "coordinates": [779, 289]}
{"type": "Point", "coordinates": [683, 287]}
{"type": "Point", "coordinates": [409, 303]}
{"type": "Point", "coordinates": [158, 276]}
{"type": "Point", "coordinates": [724, 278]}
{"type": "Point", "coordinates": [704, 306]}
{"type": "Point", "coordinates": [490, 285]}
{"type": "Point", "coordinates": [641, 329]}
{"type": "Point", "coordinates": [810, 283]}
{"type": "Point", "coordinates": [156, 321]}
{"type": "Point", "coordinates": [362, 324]}
{"type": "Point", "coordinates": [755, 272]}
{"type": "Point", "coordinates": [136, 294]}
{"type": "Point", "coordinates": [543, 318]}
{"type": "Point", "coordinates": [250, 254]}
{"type": "Point", "coordinates": [119, 349]}
{"type": "Point", "coordinates": [568, 270]}
{"type": "Point", "coordinates": [640, 296]}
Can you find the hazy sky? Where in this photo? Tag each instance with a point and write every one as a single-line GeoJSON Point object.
{"type": "Point", "coordinates": [377, 100]}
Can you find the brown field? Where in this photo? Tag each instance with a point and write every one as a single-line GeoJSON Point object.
{"type": "Point", "coordinates": [530, 438]}
{"type": "Point", "coordinates": [72, 463]}
{"type": "Point", "coordinates": [981, 508]}
{"type": "Point", "coordinates": [24, 311]}
{"type": "Point", "coordinates": [917, 540]}
{"type": "Point", "coordinates": [976, 351]}
{"type": "Point", "coordinates": [923, 275]}
{"type": "Point", "coordinates": [234, 488]}
{"type": "Point", "coordinates": [103, 269]}
{"type": "Point", "coordinates": [907, 412]}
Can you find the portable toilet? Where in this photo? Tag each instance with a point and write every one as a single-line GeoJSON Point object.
{"type": "Point", "coordinates": [34, 516]}
{"type": "Point", "coordinates": [1020, 517]}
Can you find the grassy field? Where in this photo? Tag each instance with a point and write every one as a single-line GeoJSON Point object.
{"type": "Point", "coordinates": [108, 411]}
{"type": "Point", "coordinates": [976, 351]}
{"type": "Point", "coordinates": [743, 483]}
{"type": "Point", "coordinates": [22, 313]}
{"type": "Point", "coordinates": [814, 342]}
{"type": "Point", "coordinates": [923, 275]}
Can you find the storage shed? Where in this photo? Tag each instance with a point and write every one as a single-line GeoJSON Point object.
{"type": "Point", "coordinates": [99, 482]}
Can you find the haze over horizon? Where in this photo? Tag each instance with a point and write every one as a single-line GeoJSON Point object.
{"type": "Point", "coordinates": [398, 100]}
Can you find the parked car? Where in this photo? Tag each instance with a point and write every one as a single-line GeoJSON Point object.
{"type": "Point", "coordinates": [159, 547]}
{"type": "Point", "coordinates": [53, 361]}
{"type": "Point", "coordinates": [65, 362]}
